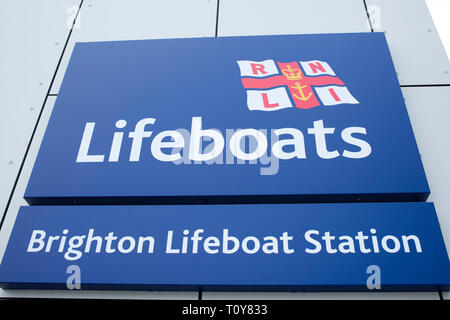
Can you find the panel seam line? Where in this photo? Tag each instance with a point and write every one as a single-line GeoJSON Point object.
{"type": "Point", "coordinates": [368, 16]}
{"type": "Point", "coordinates": [217, 18]}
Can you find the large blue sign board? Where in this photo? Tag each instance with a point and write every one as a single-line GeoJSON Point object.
{"type": "Point", "coordinates": [284, 247]}
{"type": "Point", "coordinates": [312, 118]}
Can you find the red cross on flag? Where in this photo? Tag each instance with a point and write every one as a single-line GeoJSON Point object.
{"type": "Point", "coordinates": [306, 84]}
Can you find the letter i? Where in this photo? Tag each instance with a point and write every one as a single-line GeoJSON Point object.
{"type": "Point", "coordinates": [376, 249]}
{"type": "Point", "coordinates": [185, 241]}
{"type": "Point", "coordinates": [117, 142]}
{"type": "Point", "coordinates": [334, 94]}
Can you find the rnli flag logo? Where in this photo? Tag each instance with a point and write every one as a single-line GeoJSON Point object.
{"type": "Point", "coordinates": [306, 84]}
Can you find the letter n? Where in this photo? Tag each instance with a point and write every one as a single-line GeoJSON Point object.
{"type": "Point", "coordinates": [316, 66]}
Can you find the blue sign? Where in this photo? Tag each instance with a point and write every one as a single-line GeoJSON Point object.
{"type": "Point", "coordinates": [281, 247]}
{"type": "Point", "coordinates": [301, 118]}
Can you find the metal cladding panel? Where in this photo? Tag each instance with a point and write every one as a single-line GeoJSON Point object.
{"type": "Point", "coordinates": [17, 198]}
{"type": "Point", "coordinates": [266, 17]}
{"type": "Point", "coordinates": [416, 49]}
{"type": "Point", "coordinates": [135, 84]}
{"type": "Point", "coordinates": [33, 34]}
{"type": "Point", "coordinates": [319, 296]}
{"type": "Point", "coordinates": [108, 20]}
{"type": "Point", "coordinates": [429, 112]}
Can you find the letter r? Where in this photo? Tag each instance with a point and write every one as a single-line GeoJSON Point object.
{"type": "Point", "coordinates": [258, 67]}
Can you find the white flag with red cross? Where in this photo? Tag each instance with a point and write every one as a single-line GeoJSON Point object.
{"type": "Point", "coordinates": [274, 85]}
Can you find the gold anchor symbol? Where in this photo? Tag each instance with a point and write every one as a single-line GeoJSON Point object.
{"type": "Point", "coordinates": [302, 95]}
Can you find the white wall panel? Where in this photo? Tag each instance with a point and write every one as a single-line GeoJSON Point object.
{"type": "Point", "coordinates": [32, 34]}
{"type": "Point", "coordinates": [265, 17]}
{"type": "Point", "coordinates": [414, 42]}
{"type": "Point", "coordinates": [109, 20]}
{"type": "Point", "coordinates": [319, 295]}
{"type": "Point", "coordinates": [18, 201]}
{"type": "Point", "coordinates": [80, 294]}
{"type": "Point", "coordinates": [429, 111]}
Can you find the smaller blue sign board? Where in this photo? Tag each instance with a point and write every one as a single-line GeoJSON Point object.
{"type": "Point", "coordinates": [279, 247]}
